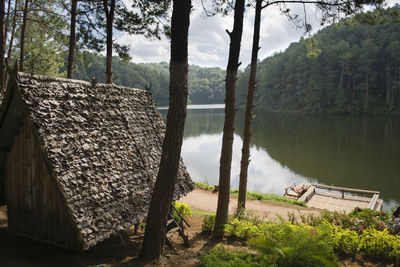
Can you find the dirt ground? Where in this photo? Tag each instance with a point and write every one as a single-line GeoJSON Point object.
{"type": "Point", "coordinates": [206, 200]}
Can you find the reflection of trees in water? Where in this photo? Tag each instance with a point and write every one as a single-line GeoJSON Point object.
{"type": "Point", "coordinates": [204, 121]}
{"type": "Point", "coordinates": [353, 151]}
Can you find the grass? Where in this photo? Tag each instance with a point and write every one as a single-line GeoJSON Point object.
{"type": "Point", "coordinates": [201, 213]}
{"type": "Point", "coordinates": [255, 195]}
{"type": "Point", "coordinates": [204, 186]}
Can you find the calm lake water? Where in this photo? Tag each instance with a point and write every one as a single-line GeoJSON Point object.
{"type": "Point", "coordinates": [343, 150]}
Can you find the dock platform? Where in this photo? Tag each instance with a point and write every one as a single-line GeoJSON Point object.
{"type": "Point", "coordinates": [333, 198]}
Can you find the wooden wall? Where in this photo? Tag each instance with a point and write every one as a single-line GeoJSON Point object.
{"type": "Point", "coordinates": [35, 206]}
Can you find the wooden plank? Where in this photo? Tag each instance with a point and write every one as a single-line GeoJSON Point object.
{"type": "Point", "coordinates": [31, 163]}
{"type": "Point", "coordinates": [26, 172]}
{"type": "Point", "coordinates": [11, 122]}
{"type": "Point", "coordinates": [380, 204]}
{"type": "Point", "coordinates": [351, 190]}
{"type": "Point", "coordinates": [307, 195]}
{"type": "Point", "coordinates": [44, 201]}
{"type": "Point", "coordinates": [372, 204]}
{"type": "Point", "coordinates": [7, 184]}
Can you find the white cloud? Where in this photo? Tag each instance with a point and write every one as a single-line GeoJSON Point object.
{"type": "Point", "coordinates": [209, 43]}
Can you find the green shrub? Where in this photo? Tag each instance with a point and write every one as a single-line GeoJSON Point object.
{"type": "Point", "coordinates": [344, 241]}
{"type": "Point", "coordinates": [204, 186]}
{"type": "Point", "coordinates": [380, 245]}
{"type": "Point", "coordinates": [296, 245]}
{"type": "Point", "coordinates": [183, 209]}
{"type": "Point", "coordinates": [208, 223]}
{"type": "Point", "coordinates": [222, 257]}
{"type": "Point", "coordinates": [244, 229]}
{"type": "Point", "coordinates": [371, 243]}
{"type": "Point", "coordinates": [359, 220]}
{"type": "Point", "coordinates": [301, 244]}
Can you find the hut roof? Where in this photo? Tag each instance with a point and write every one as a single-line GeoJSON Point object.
{"type": "Point", "coordinates": [102, 143]}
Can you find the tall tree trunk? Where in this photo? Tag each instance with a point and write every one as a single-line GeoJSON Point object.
{"type": "Point", "coordinates": [2, 45]}
{"type": "Point", "coordinates": [341, 76]}
{"type": "Point", "coordinates": [154, 237]}
{"type": "Point", "coordinates": [7, 21]}
{"type": "Point", "coordinates": [227, 139]}
{"type": "Point", "coordinates": [388, 85]}
{"type": "Point", "coordinates": [12, 31]}
{"type": "Point", "coordinates": [244, 163]}
{"type": "Point", "coordinates": [72, 36]}
{"type": "Point", "coordinates": [366, 88]}
{"type": "Point", "coordinates": [110, 19]}
{"type": "Point", "coordinates": [22, 41]}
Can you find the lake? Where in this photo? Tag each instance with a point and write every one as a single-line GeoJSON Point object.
{"type": "Point", "coordinates": [357, 151]}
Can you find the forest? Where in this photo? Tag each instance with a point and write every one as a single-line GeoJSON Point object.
{"type": "Point", "coordinates": [358, 70]}
{"type": "Point", "coordinates": [206, 85]}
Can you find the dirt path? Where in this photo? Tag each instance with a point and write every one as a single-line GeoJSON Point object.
{"type": "Point", "coordinates": [206, 200]}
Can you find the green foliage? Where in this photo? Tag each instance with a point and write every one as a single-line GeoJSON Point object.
{"type": "Point", "coordinates": [312, 48]}
{"type": "Point", "coordinates": [359, 220]}
{"type": "Point", "coordinates": [371, 243]}
{"type": "Point", "coordinates": [45, 39]}
{"type": "Point", "coordinates": [221, 257]}
{"type": "Point", "coordinates": [341, 69]}
{"type": "Point", "coordinates": [245, 229]}
{"type": "Point", "coordinates": [344, 241]}
{"type": "Point", "coordinates": [184, 210]}
{"type": "Point", "coordinates": [288, 243]}
{"type": "Point", "coordinates": [379, 244]}
{"type": "Point", "coordinates": [365, 232]}
{"type": "Point", "coordinates": [42, 56]}
{"type": "Point", "coordinates": [208, 223]}
{"type": "Point", "coordinates": [204, 186]}
{"type": "Point", "coordinates": [201, 213]}
{"type": "Point", "coordinates": [296, 245]}
{"type": "Point", "coordinates": [206, 85]}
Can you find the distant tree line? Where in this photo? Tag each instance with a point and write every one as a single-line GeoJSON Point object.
{"type": "Point", "coordinates": [206, 85]}
{"type": "Point", "coordinates": [358, 70]}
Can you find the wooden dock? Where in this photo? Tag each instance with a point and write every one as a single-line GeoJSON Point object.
{"type": "Point", "coordinates": [333, 198]}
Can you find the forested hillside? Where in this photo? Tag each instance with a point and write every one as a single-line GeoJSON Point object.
{"type": "Point", "coordinates": [206, 85]}
{"type": "Point", "coordinates": [357, 71]}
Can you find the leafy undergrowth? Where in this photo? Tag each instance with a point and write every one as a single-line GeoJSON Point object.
{"type": "Point", "coordinates": [312, 241]}
{"type": "Point", "coordinates": [219, 256]}
{"type": "Point", "coordinates": [255, 195]}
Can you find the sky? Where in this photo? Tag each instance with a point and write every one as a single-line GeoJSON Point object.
{"type": "Point", "coordinates": [209, 42]}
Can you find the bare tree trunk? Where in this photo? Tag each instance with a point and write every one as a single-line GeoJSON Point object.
{"type": "Point", "coordinates": [72, 36]}
{"type": "Point", "coordinates": [227, 139]}
{"type": "Point", "coordinates": [244, 163]}
{"type": "Point", "coordinates": [154, 237]}
{"type": "Point", "coordinates": [366, 88]}
{"type": "Point", "coordinates": [7, 21]}
{"type": "Point", "coordinates": [341, 76]}
{"type": "Point", "coordinates": [12, 31]}
{"type": "Point", "coordinates": [22, 41]}
{"type": "Point", "coordinates": [2, 45]}
{"type": "Point", "coordinates": [388, 85]}
{"type": "Point", "coordinates": [110, 20]}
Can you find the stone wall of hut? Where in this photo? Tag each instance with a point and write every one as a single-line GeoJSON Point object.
{"type": "Point", "coordinates": [34, 203]}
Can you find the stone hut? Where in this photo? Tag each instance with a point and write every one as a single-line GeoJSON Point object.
{"type": "Point", "coordinates": [78, 161]}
